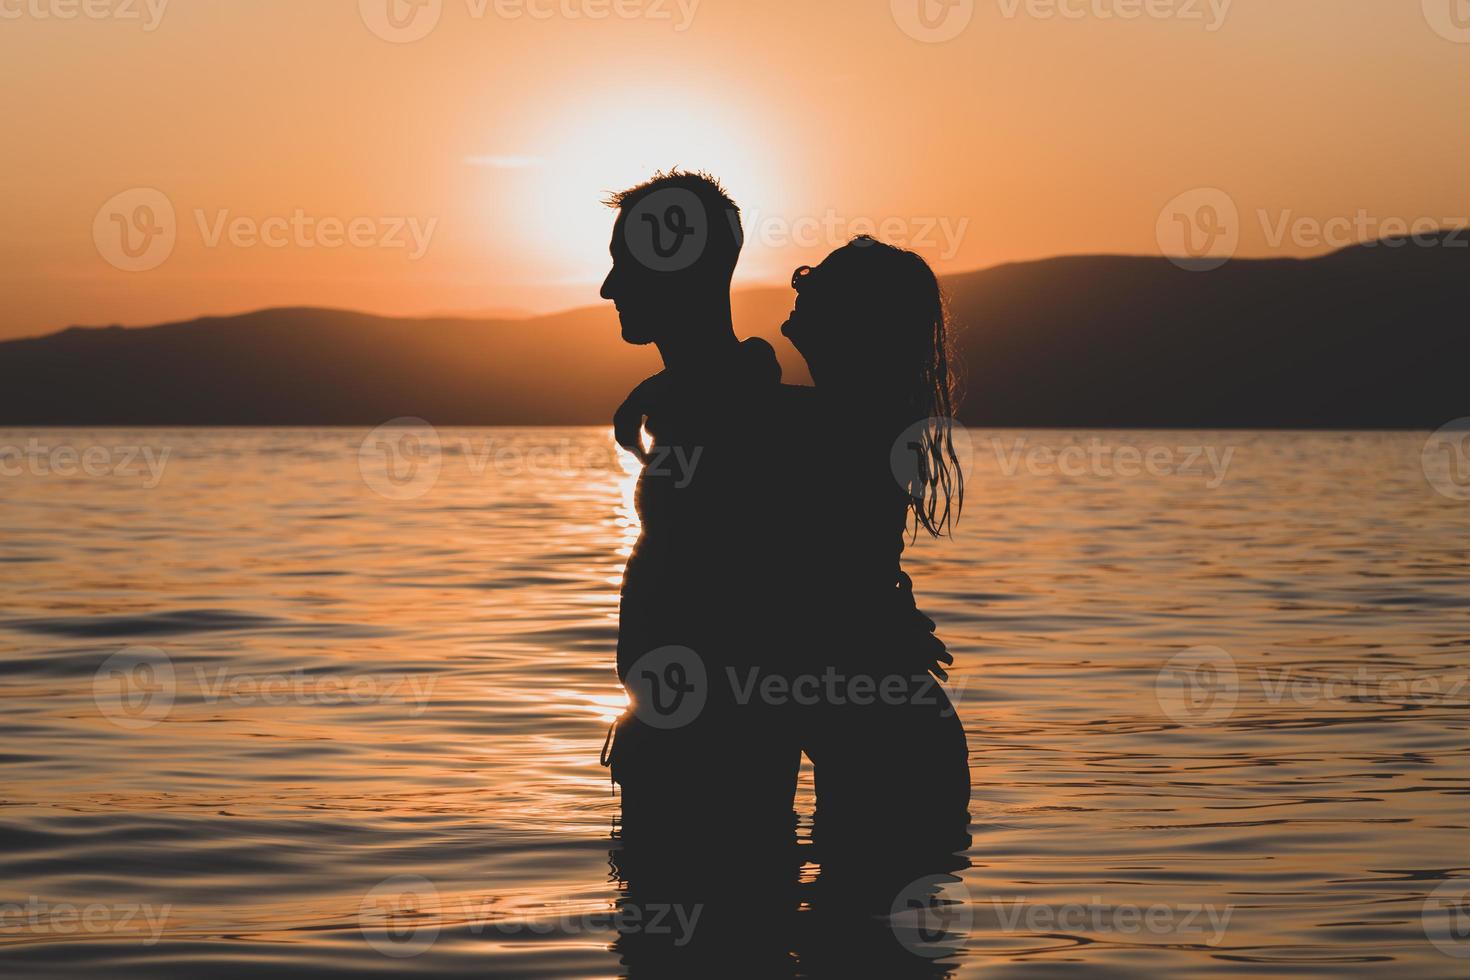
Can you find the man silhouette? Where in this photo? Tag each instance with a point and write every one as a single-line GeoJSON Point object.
{"type": "Point", "coordinates": [689, 764]}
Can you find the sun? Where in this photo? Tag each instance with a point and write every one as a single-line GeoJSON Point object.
{"type": "Point", "coordinates": [594, 148]}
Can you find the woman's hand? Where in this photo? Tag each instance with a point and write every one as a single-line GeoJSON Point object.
{"type": "Point", "coordinates": [628, 420]}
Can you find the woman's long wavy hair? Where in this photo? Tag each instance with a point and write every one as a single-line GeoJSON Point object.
{"type": "Point", "coordinates": [905, 356]}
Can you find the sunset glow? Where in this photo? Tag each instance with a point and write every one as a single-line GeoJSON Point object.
{"type": "Point", "coordinates": [1037, 130]}
{"type": "Point", "coordinates": [435, 544]}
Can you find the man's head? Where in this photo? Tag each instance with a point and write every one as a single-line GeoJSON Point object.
{"type": "Point", "coordinates": [674, 248]}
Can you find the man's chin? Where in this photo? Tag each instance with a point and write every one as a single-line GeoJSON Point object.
{"type": "Point", "coordinates": [636, 336]}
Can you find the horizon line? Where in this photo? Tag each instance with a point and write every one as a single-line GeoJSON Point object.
{"type": "Point", "coordinates": [746, 286]}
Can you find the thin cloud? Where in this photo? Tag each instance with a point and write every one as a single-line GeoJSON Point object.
{"type": "Point", "coordinates": [503, 162]}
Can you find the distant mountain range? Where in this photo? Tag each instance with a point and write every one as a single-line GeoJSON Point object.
{"type": "Point", "coordinates": [1375, 336]}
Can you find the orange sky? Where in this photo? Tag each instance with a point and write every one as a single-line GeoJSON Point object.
{"type": "Point", "coordinates": [462, 171]}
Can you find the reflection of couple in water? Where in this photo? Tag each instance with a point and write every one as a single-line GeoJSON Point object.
{"type": "Point", "coordinates": [765, 613]}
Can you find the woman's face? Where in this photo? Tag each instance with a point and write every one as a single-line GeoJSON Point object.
{"type": "Point", "coordinates": [813, 321]}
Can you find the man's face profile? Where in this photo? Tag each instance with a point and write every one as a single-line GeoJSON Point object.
{"type": "Point", "coordinates": [631, 290]}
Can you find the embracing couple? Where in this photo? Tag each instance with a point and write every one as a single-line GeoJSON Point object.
{"type": "Point", "coordinates": [764, 610]}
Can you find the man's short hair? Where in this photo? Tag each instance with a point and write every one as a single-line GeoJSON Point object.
{"type": "Point", "coordinates": [726, 233]}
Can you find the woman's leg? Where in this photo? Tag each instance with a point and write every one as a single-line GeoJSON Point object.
{"type": "Point", "coordinates": [893, 789]}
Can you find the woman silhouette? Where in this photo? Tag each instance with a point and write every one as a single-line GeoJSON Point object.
{"type": "Point", "coordinates": [889, 751]}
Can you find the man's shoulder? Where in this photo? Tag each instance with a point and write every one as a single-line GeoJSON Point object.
{"type": "Point", "coordinates": [796, 402]}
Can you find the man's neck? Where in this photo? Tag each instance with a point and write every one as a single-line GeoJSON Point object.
{"type": "Point", "coordinates": [707, 340]}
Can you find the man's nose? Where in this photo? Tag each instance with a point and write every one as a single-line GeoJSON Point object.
{"type": "Point", "coordinates": [607, 287]}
